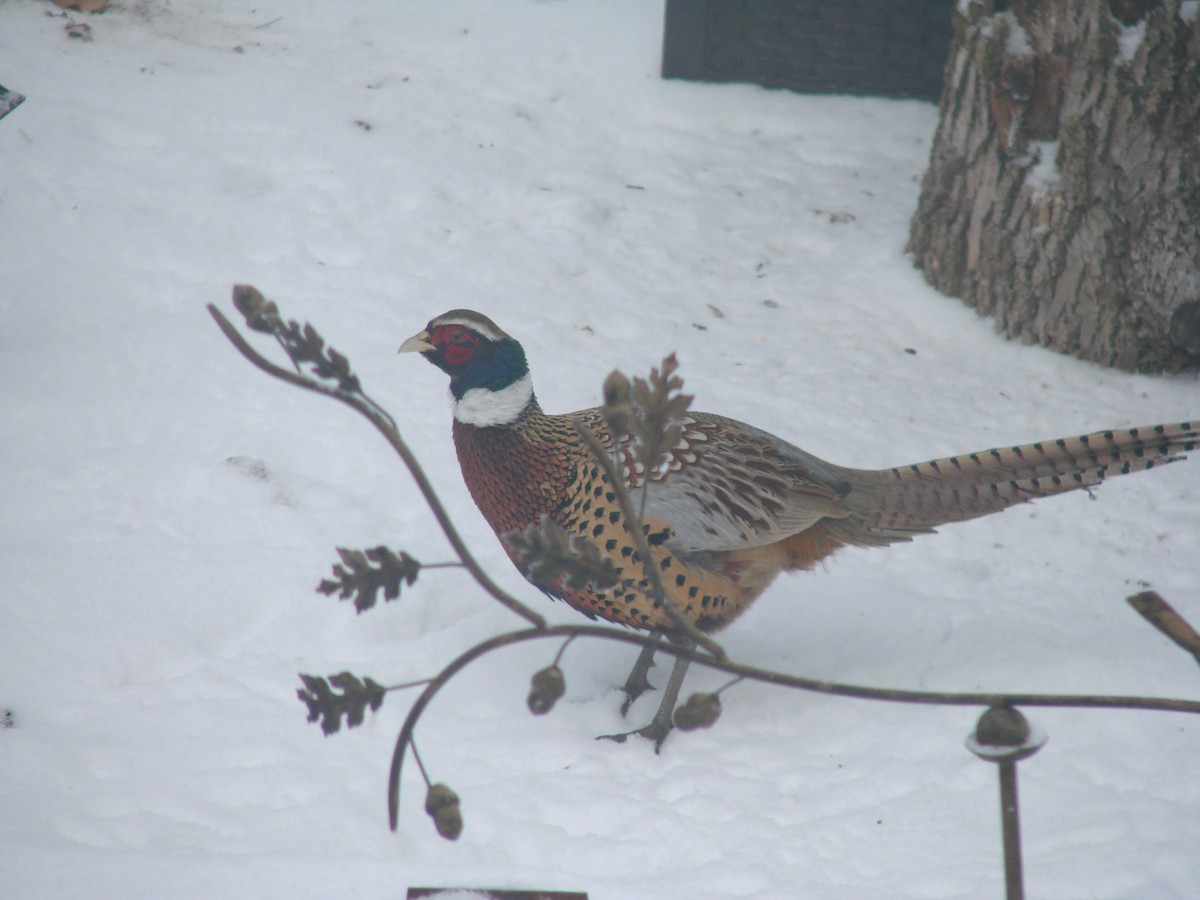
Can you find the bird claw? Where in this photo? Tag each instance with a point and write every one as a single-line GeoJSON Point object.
{"type": "Point", "coordinates": [656, 731]}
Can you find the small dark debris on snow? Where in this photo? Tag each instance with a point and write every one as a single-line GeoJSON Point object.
{"type": "Point", "coordinates": [910, 351]}
{"type": "Point", "coordinates": [89, 6]}
{"type": "Point", "coordinates": [248, 465]}
{"type": "Point", "coordinates": [363, 124]}
{"type": "Point", "coordinates": [9, 100]}
{"type": "Point", "coordinates": [836, 218]}
{"type": "Point", "coordinates": [431, 893]}
{"type": "Point", "coordinates": [81, 31]}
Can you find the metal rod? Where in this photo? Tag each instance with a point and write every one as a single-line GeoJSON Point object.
{"type": "Point", "coordinates": [1010, 823]}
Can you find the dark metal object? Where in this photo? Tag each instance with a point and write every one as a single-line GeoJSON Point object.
{"type": "Point", "coordinates": [1003, 736]}
{"type": "Point", "coordinates": [889, 48]}
{"type": "Point", "coordinates": [421, 893]}
{"type": "Point", "coordinates": [1159, 613]}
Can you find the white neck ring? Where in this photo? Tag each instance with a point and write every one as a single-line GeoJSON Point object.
{"type": "Point", "coordinates": [485, 408]}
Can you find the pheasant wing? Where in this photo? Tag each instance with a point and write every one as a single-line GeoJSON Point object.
{"type": "Point", "coordinates": [730, 486]}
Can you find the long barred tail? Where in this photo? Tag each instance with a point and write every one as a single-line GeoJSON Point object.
{"type": "Point", "coordinates": [897, 503]}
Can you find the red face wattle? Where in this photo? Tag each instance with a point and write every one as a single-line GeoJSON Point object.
{"type": "Point", "coordinates": [455, 342]}
{"type": "Point", "coordinates": [476, 357]}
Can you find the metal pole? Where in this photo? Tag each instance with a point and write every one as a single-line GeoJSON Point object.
{"type": "Point", "coordinates": [1010, 823]}
{"type": "Point", "coordinates": [1003, 736]}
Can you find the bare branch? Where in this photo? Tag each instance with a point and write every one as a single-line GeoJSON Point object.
{"type": "Point", "coordinates": [383, 423]}
{"type": "Point", "coordinates": [1159, 613]}
{"type": "Point", "coordinates": [893, 695]}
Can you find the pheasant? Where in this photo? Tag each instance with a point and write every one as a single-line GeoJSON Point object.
{"type": "Point", "coordinates": [734, 506]}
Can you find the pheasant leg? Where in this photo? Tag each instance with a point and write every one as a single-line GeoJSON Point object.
{"type": "Point", "coordinates": [660, 726]}
{"type": "Point", "coordinates": [638, 681]}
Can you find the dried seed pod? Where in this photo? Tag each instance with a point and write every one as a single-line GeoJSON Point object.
{"type": "Point", "coordinates": [449, 822]}
{"type": "Point", "coordinates": [700, 711]}
{"type": "Point", "coordinates": [618, 405]}
{"type": "Point", "coordinates": [546, 687]}
{"type": "Point", "coordinates": [441, 804]}
{"type": "Point", "coordinates": [261, 314]}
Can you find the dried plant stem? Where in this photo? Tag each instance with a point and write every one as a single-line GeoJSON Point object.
{"type": "Point", "coordinates": [383, 423]}
{"type": "Point", "coordinates": [563, 649]}
{"type": "Point", "coordinates": [752, 673]}
{"type": "Point", "coordinates": [420, 764]}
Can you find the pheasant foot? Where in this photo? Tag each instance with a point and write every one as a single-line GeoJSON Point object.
{"type": "Point", "coordinates": [660, 726]}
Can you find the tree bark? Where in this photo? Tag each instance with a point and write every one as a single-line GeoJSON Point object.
{"type": "Point", "coordinates": [1063, 192]}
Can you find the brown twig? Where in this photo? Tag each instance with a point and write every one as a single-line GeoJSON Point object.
{"type": "Point", "coordinates": [815, 685]}
{"type": "Point", "coordinates": [1159, 613]}
{"type": "Point", "coordinates": [367, 407]}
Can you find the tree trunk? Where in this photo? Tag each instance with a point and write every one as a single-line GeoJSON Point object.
{"type": "Point", "coordinates": [1063, 191]}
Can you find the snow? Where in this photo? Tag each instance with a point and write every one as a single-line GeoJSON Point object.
{"type": "Point", "coordinates": [1044, 175]}
{"type": "Point", "coordinates": [169, 509]}
{"type": "Point", "coordinates": [1129, 39]}
{"type": "Point", "coordinates": [1017, 43]}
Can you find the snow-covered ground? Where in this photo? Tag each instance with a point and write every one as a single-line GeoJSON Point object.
{"type": "Point", "coordinates": [369, 165]}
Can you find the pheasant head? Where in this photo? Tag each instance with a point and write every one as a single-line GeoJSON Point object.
{"type": "Point", "coordinates": [489, 377]}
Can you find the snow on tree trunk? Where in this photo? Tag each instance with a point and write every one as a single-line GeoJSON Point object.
{"type": "Point", "coordinates": [1063, 192]}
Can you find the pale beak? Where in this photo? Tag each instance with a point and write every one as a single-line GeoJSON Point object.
{"type": "Point", "coordinates": [418, 343]}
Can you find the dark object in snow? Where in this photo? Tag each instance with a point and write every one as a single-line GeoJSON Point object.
{"type": "Point", "coordinates": [888, 48]}
{"type": "Point", "coordinates": [9, 100]}
{"type": "Point", "coordinates": [421, 893]}
{"type": "Point", "coordinates": [90, 6]}
{"type": "Point", "coordinates": [81, 31]}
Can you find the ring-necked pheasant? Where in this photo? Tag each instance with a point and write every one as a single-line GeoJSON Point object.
{"type": "Point", "coordinates": [736, 505]}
